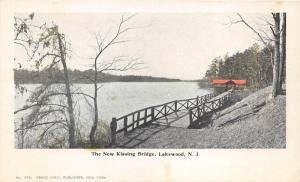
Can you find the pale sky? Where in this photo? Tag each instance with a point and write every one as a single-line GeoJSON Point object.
{"type": "Point", "coordinates": [174, 45]}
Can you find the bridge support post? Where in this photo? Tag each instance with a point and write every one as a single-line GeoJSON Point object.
{"type": "Point", "coordinates": [125, 125]}
{"type": "Point", "coordinates": [113, 128]}
{"type": "Point", "coordinates": [175, 106]}
{"type": "Point", "coordinates": [138, 120]}
{"type": "Point", "coordinates": [197, 101]}
{"type": "Point", "coordinates": [152, 114]}
{"type": "Point", "coordinates": [145, 118]}
{"type": "Point", "coordinates": [191, 117]}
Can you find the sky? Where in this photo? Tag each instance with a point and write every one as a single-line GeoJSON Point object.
{"type": "Point", "coordinates": [173, 45]}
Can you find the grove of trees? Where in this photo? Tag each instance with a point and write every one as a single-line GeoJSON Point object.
{"type": "Point", "coordinates": [253, 65]}
{"type": "Point", "coordinates": [24, 76]}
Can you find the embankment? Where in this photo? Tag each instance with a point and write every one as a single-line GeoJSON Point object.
{"type": "Point", "coordinates": [253, 122]}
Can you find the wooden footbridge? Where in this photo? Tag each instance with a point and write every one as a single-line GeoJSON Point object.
{"type": "Point", "coordinates": [188, 113]}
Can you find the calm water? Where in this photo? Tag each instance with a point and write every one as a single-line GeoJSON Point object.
{"type": "Point", "coordinates": [120, 98]}
{"type": "Point", "coordinates": [117, 99]}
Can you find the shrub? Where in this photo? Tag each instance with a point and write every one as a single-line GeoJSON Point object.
{"type": "Point", "coordinates": [102, 137]}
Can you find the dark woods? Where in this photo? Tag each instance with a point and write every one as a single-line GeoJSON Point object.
{"type": "Point", "coordinates": [253, 64]}
{"type": "Point", "coordinates": [23, 76]}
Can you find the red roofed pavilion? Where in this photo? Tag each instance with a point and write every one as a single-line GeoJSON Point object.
{"type": "Point", "coordinates": [230, 82]}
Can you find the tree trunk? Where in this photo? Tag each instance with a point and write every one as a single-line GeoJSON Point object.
{"type": "Point", "coordinates": [95, 123]}
{"type": "Point", "coordinates": [72, 143]}
{"type": "Point", "coordinates": [282, 47]}
{"type": "Point", "coordinates": [22, 134]}
{"type": "Point", "coordinates": [276, 56]}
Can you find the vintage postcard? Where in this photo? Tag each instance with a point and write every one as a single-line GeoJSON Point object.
{"type": "Point", "coordinates": [144, 91]}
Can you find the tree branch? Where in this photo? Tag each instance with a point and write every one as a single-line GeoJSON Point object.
{"type": "Point", "coordinates": [38, 104]}
{"type": "Point", "coordinates": [256, 32]}
{"type": "Point", "coordinates": [81, 93]}
{"type": "Point", "coordinates": [39, 124]}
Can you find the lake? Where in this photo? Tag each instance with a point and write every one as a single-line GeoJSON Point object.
{"type": "Point", "coordinates": [120, 98]}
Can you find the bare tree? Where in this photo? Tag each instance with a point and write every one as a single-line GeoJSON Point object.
{"type": "Point", "coordinates": [278, 58]}
{"type": "Point", "coordinates": [282, 47]}
{"type": "Point", "coordinates": [46, 45]}
{"type": "Point", "coordinates": [119, 63]}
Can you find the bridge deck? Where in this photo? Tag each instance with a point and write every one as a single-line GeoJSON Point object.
{"type": "Point", "coordinates": [181, 118]}
{"type": "Point", "coordinates": [171, 123]}
{"type": "Point", "coordinates": [178, 119]}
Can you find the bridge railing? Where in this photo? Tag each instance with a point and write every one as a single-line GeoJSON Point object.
{"type": "Point", "coordinates": [143, 116]}
{"type": "Point", "coordinates": [197, 112]}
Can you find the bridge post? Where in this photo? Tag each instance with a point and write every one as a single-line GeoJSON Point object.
{"type": "Point", "coordinates": [230, 97]}
{"type": "Point", "coordinates": [138, 120]}
{"type": "Point", "coordinates": [152, 114]}
{"type": "Point", "coordinates": [197, 100]}
{"type": "Point", "coordinates": [202, 99]}
{"type": "Point", "coordinates": [125, 125]}
{"type": "Point", "coordinates": [113, 128]}
{"type": "Point", "coordinates": [145, 118]}
{"type": "Point", "coordinates": [175, 105]}
{"type": "Point", "coordinates": [198, 113]}
{"type": "Point", "coordinates": [191, 117]}
{"type": "Point", "coordinates": [165, 110]}
{"type": "Point", "coordinates": [223, 102]}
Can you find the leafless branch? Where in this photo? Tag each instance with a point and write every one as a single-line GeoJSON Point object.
{"type": "Point", "coordinates": [267, 37]}
{"type": "Point", "coordinates": [84, 94]}
{"type": "Point", "coordinates": [39, 124]}
{"type": "Point", "coordinates": [249, 26]}
{"type": "Point", "coordinates": [99, 87]}
{"type": "Point", "coordinates": [273, 32]}
{"type": "Point", "coordinates": [38, 104]}
{"type": "Point", "coordinates": [120, 41]}
{"type": "Point", "coordinates": [46, 130]}
{"type": "Point", "coordinates": [25, 48]}
{"type": "Point", "coordinates": [119, 64]}
{"type": "Point", "coordinates": [120, 30]}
